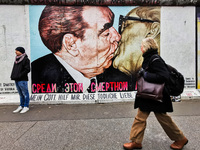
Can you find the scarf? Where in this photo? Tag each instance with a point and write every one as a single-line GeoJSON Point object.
{"type": "Point", "coordinates": [18, 59]}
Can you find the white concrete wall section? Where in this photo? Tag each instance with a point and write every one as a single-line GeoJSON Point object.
{"type": "Point", "coordinates": [14, 32]}
{"type": "Point", "coordinates": [178, 40]}
{"type": "Point", "coordinates": [178, 48]}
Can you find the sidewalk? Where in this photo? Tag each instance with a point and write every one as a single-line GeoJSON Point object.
{"type": "Point", "coordinates": [91, 127]}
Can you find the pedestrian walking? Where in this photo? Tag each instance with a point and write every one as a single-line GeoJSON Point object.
{"type": "Point", "coordinates": [19, 73]}
{"type": "Point", "coordinates": [156, 73]}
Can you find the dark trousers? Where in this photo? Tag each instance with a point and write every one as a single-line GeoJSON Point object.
{"type": "Point", "coordinates": [22, 88]}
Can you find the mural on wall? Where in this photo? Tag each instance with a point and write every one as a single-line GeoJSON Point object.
{"type": "Point", "coordinates": [133, 29]}
{"type": "Point", "coordinates": [79, 50]}
{"type": "Point", "coordinates": [198, 46]}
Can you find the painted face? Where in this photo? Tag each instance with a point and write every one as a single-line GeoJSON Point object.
{"type": "Point", "coordinates": [100, 41]}
{"type": "Point", "coordinates": [129, 56]}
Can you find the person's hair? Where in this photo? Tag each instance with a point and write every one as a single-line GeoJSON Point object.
{"type": "Point", "coordinates": [56, 21]}
{"type": "Point", "coordinates": [149, 44]}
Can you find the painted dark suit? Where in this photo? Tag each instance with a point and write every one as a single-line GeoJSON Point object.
{"type": "Point", "coordinates": [48, 70]}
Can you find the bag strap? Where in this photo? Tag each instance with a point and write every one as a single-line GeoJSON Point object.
{"type": "Point", "coordinates": [152, 59]}
{"type": "Point", "coordinates": [156, 56]}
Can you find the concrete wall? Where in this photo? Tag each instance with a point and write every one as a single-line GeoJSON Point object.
{"type": "Point", "coordinates": [14, 31]}
{"type": "Point", "coordinates": [178, 48]}
{"type": "Point", "coordinates": [178, 40]}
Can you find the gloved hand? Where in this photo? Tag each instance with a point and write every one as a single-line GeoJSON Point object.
{"type": "Point", "coordinates": [141, 72]}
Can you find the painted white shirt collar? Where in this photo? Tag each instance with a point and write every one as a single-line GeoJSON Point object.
{"type": "Point", "coordinates": [76, 75]}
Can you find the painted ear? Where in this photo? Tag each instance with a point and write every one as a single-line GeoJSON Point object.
{"type": "Point", "coordinates": [69, 42]}
{"type": "Point", "coordinates": [154, 30]}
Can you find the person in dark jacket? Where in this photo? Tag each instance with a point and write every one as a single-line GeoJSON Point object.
{"type": "Point", "coordinates": [19, 73]}
{"type": "Point", "coordinates": [156, 73]}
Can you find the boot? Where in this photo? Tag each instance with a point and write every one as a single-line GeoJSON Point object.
{"type": "Point", "coordinates": [132, 145]}
{"type": "Point", "coordinates": [178, 145]}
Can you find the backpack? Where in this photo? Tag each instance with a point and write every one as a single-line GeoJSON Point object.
{"type": "Point", "coordinates": [175, 84]}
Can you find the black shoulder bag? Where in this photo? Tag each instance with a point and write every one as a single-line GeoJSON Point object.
{"type": "Point", "coordinates": [151, 91]}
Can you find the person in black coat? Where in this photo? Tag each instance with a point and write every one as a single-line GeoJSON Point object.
{"type": "Point", "coordinates": [19, 73]}
{"type": "Point", "coordinates": [156, 73]}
